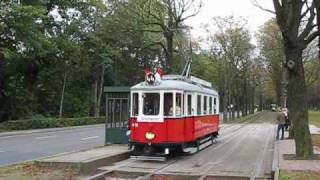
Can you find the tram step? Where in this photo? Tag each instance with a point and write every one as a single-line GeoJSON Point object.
{"type": "Point", "coordinates": [204, 140]}
{"type": "Point", "coordinates": [149, 158]}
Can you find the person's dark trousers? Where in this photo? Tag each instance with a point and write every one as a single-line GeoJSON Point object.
{"type": "Point", "coordinates": [286, 127]}
{"type": "Point", "coordinates": [280, 128]}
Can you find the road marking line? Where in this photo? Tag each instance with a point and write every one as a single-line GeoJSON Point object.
{"type": "Point", "coordinates": [46, 137]}
{"type": "Point", "coordinates": [87, 138]}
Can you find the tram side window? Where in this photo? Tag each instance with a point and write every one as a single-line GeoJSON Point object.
{"type": "Point", "coordinates": [210, 105]}
{"type": "Point", "coordinates": [151, 103]}
{"type": "Point", "coordinates": [178, 104]}
{"type": "Point", "coordinates": [168, 104]}
{"type": "Point", "coordinates": [205, 105]}
{"type": "Point", "coordinates": [199, 105]}
{"type": "Point", "coordinates": [215, 105]}
{"type": "Point", "coordinates": [135, 104]}
{"type": "Point", "coordinates": [189, 107]}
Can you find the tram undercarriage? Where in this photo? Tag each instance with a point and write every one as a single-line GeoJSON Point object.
{"type": "Point", "coordinates": [160, 152]}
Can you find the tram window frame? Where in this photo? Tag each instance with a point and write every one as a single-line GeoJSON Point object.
{"type": "Point", "coordinates": [166, 107]}
{"type": "Point", "coordinates": [215, 105]}
{"type": "Point", "coordinates": [189, 105]}
{"type": "Point", "coordinates": [156, 113]}
{"type": "Point", "coordinates": [205, 105]}
{"type": "Point", "coordinates": [199, 104]}
{"type": "Point", "coordinates": [180, 105]}
{"type": "Point", "coordinates": [210, 105]}
{"type": "Point", "coordinates": [135, 104]}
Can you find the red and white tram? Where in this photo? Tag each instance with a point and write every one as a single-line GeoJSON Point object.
{"type": "Point", "coordinates": [172, 113]}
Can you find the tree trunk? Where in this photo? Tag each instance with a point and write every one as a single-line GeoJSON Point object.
{"type": "Point", "coordinates": [62, 93]}
{"type": "Point", "coordinates": [225, 95]}
{"type": "Point", "coordinates": [101, 83]}
{"type": "Point", "coordinates": [98, 90]}
{"type": "Point", "coordinates": [297, 103]}
{"type": "Point", "coordinates": [238, 106]}
{"type": "Point", "coordinates": [245, 99]}
{"type": "Point", "coordinates": [260, 102]}
{"type": "Point", "coordinates": [95, 96]}
{"type": "Point", "coordinates": [232, 109]}
{"type": "Point", "coordinates": [252, 100]}
{"type": "Point", "coordinates": [283, 97]}
{"type": "Point", "coordinates": [169, 50]}
{"type": "Point", "coordinates": [317, 3]}
{"type": "Point", "coordinates": [168, 34]}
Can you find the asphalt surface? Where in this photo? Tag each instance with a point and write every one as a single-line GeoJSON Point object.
{"type": "Point", "coordinates": [242, 150]}
{"type": "Point", "coordinates": [24, 147]}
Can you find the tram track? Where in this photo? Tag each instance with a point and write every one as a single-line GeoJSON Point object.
{"type": "Point", "coordinates": [232, 137]}
{"type": "Point", "coordinates": [116, 172]}
{"type": "Point", "coordinates": [258, 167]}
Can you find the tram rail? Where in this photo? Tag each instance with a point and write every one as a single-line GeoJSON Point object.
{"type": "Point", "coordinates": [159, 171]}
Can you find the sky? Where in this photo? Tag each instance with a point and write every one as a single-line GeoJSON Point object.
{"type": "Point", "coordinates": [245, 8]}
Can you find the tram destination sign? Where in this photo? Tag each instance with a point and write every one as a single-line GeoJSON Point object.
{"type": "Point", "coordinates": [150, 118]}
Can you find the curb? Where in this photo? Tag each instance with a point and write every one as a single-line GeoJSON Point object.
{"type": "Point", "coordinates": [25, 132]}
{"type": "Point", "coordinates": [99, 176]}
{"type": "Point", "coordinates": [85, 167]}
{"type": "Point", "coordinates": [275, 162]}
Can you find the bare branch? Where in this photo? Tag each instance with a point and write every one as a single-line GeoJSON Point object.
{"type": "Point", "coordinates": [278, 8]}
{"type": "Point", "coordinates": [311, 37]}
{"type": "Point", "coordinates": [258, 5]}
{"type": "Point", "coordinates": [310, 25]}
{"type": "Point", "coordinates": [307, 10]}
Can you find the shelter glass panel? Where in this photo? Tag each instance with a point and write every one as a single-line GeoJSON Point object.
{"type": "Point", "coordinates": [124, 112]}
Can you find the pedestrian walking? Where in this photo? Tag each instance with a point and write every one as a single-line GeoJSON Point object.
{"type": "Point", "coordinates": [281, 121]}
{"type": "Point", "coordinates": [286, 126]}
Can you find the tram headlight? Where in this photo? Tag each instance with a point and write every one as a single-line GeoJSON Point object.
{"type": "Point", "coordinates": [150, 135]}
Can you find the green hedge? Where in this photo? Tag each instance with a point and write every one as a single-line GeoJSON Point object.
{"type": "Point", "coordinates": [49, 123]}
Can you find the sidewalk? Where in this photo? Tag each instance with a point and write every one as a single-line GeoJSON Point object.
{"type": "Point", "coordinates": [24, 132]}
{"type": "Point", "coordinates": [288, 147]}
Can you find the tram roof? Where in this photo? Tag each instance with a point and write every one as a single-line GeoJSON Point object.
{"type": "Point", "coordinates": [175, 84]}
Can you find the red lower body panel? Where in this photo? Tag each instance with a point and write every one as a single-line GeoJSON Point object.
{"type": "Point", "coordinates": [177, 130]}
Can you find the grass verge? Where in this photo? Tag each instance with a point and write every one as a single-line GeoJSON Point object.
{"type": "Point", "coordinates": [29, 171]}
{"type": "Point", "coordinates": [299, 175]}
{"type": "Point", "coordinates": [314, 118]}
{"type": "Point", "coordinates": [248, 118]}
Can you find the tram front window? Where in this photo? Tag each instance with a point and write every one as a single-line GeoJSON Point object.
{"type": "Point", "coordinates": [151, 103]}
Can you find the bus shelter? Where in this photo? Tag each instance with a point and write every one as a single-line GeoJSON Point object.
{"type": "Point", "coordinates": [117, 114]}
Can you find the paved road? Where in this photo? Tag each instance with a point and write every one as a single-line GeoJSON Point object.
{"type": "Point", "coordinates": [19, 148]}
{"type": "Point", "coordinates": [242, 150]}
